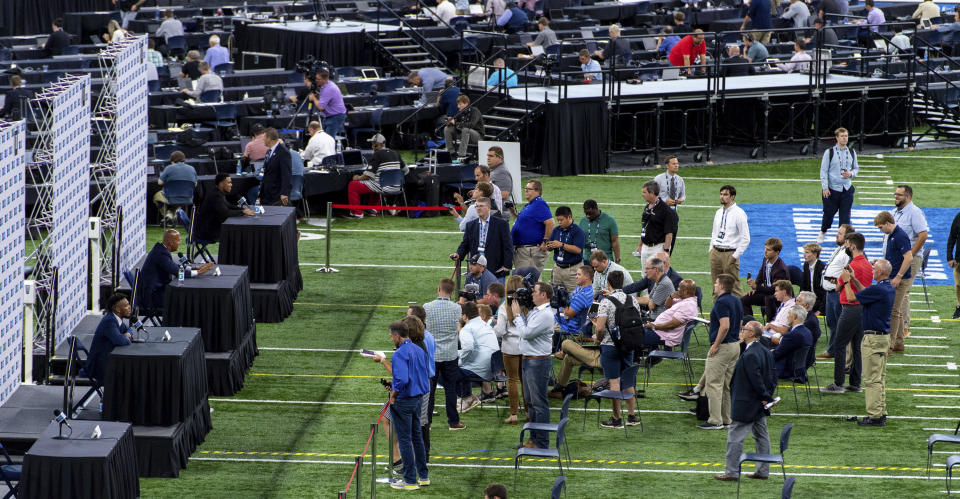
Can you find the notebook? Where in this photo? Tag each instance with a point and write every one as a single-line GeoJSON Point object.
{"type": "Point", "coordinates": [536, 50]}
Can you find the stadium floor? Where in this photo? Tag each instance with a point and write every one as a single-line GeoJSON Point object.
{"type": "Point", "coordinates": [306, 408]}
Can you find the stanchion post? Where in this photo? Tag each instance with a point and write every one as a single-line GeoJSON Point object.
{"type": "Point", "coordinates": [359, 465]}
{"type": "Point", "coordinates": [341, 495]}
{"type": "Point", "coordinates": [373, 460]}
{"type": "Point", "coordinates": [390, 444]}
{"type": "Point", "coordinates": [327, 269]}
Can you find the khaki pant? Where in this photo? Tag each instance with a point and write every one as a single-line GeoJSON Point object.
{"type": "Point", "coordinates": [529, 256]}
{"type": "Point", "coordinates": [722, 262]}
{"type": "Point", "coordinates": [762, 36]}
{"type": "Point", "coordinates": [874, 351]}
{"type": "Point", "coordinates": [567, 277]}
{"type": "Point", "coordinates": [716, 375]}
{"type": "Point", "coordinates": [914, 270]}
{"type": "Point", "coordinates": [575, 354]}
{"type": "Point", "coordinates": [647, 252]}
{"type": "Point", "coordinates": [511, 364]}
{"type": "Point", "coordinates": [898, 322]}
{"type": "Point", "coordinates": [956, 282]}
{"type": "Point", "coordinates": [160, 199]}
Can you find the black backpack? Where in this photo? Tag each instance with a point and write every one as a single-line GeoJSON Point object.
{"type": "Point", "coordinates": [627, 331]}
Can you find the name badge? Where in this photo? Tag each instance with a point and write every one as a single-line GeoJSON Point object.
{"type": "Point", "coordinates": [593, 245]}
{"type": "Point", "coordinates": [559, 258]}
{"type": "Point", "coordinates": [481, 249]}
{"type": "Point", "coordinates": [721, 234]}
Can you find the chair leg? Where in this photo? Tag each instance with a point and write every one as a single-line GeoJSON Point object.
{"type": "Point", "coordinates": [739, 474]}
{"type": "Point", "coordinates": [795, 400]}
{"type": "Point", "coordinates": [516, 466]}
{"type": "Point", "coordinates": [817, 376]}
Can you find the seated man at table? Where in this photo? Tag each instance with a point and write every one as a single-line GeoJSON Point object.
{"type": "Point", "coordinates": [216, 54]}
{"type": "Point", "coordinates": [503, 73]}
{"type": "Point", "coordinates": [171, 26]}
{"type": "Point", "coordinates": [735, 64]}
{"type": "Point", "coordinates": [320, 146]}
{"type": "Point", "coordinates": [215, 210]}
{"type": "Point", "coordinates": [177, 170]}
{"type": "Point", "coordinates": [208, 81]}
{"type": "Point", "coordinates": [11, 106]}
{"type": "Point", "coordinates": [368, 182]}
{"type": "Point", "coordinates": [591, 68]}
{"type": "Point", "coordinates": [59, 39]}
{"type": "Point", "coordinates": [158, 270]}
{"type": "Point", "coordinates": [111, 332]}
{"type": "Point", "coordinates": [191, 68]}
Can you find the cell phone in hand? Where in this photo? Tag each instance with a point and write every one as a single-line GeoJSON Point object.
{"type": "Point", "coordinates": [368, 353]}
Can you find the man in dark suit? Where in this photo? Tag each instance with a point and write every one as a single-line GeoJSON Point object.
{"type": "Point", "coordinates": [489, 236]}
{"type": "Point", "coordinates": [158, 270]}
{"type": "Point", "coordinates": [736, 64]}
{"type": "Point", "coordinates": [11, 104]}
{"type": "Point", "coordinates": [813, 275]}
{"type": "Point", "coordinates": [806, 299]}
{"type": "Point", "coordinates": [110, 333]}
{"type": "Point", "coordinates": [275, 186]}
{"type": "Point", "coordinates": [215, 209]}
{"type": "Point", "coordinates": [797, 337]}
{"type": "Point", "coordinates": [59, 39]}
{"type": "Point", "coordinates": [754, 380]}
{"type": "Point", "coordinates": [771, 270]}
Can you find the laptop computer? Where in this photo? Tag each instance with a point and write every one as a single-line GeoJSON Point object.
{"type": "Point", "coordinates": [926, 23]}
{"type": "Point", "coordinates": [152, 138]}
{"type": "Point", "coordinates": [587, 34]}
{"type": "Point", "coordinates": [536, 50]}
{"type": "Point", "coordinates": [175, 68]}
{"type": "Point", "coordinates": [369, 74]}
{"type": "Point", "coordinates": [476, 77]}
{"type": "Point", "coordinates": [185, 83]}
{"type": "Point", "coordinates": [880, 44]}
{"type": "Point", "coordinates": [670, 74]}
{"type": "Point", "coordinates": [476, 9]}
{"type": "Point", "coordinates": [41, 41]}
{"type": "Point", "coordinates": [649, 43]}
{"type": "Point", "coordinates": [352, 157]}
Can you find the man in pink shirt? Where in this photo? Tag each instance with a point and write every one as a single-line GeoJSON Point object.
{"type": "Point", "coordinates": [669, 326]}
{"type": "Point", "coordinates": [783, 292]}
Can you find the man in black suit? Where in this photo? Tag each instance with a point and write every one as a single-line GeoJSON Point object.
{"type": "Point", "coordinates": [813, 281]}
{"type": "Point", "coordinates": [772, 269]}
{"type": "Point", "coordinates": [157, 272]}
{"type": "Point", "coordinates": [215, 209]}
{"type": "Point", "coordinates": [788, 344]}
{"type": "Point", "coordinates": [111, 332]}
{"type": "Point", "coordinates": [11, 104]}
{"type": "Point", "coordinates": [754, 380]}
{"type": "Point", "coordinates": [277, 170]}
{"type": "Point", "coordinates": [59, 39]}
{"type": "Point", "coordinates": [736, 64]}
{"type": "Point", "coordinates": [489, 236]}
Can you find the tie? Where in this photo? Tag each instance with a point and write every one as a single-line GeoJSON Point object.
{"type": "Point", "coordinates": [483, 235]}
{"type": "Point", "coordinates": [267, 156]}
{"type": "Point", "coordinates": [673, 190]}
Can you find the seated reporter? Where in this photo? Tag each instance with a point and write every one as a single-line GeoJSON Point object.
{"type": "Point", "coordinates": [646, 284]}
{"type": "Point", "coordinates": [177, 170]}
{"type": "Point", "coordinates": [662, 288]}
{"type": "Point", "coordinates": [808, 300]}
{"type": "Point", "coordinates": [479, 274]}
{"type": "Point", "coordinates": [111, 332]}
{"type": "Point", "coordinates": [208, 81]}
{"type": "Point", "coordinates": [772, 269]}
{"type": "Point", "coordinates": [158, 270]}
{"type": "Point", "coordinates": [572, 320]}
{"type": "Point", "coordinates": [478, 343]}
{"type": "Point", "coordinates": [669, 326]}
{"type": "Point", "coordinates": [797, 337]}
{"type": "Point", "coordinates": [783, 293]}
{"type": "Point", "coordinates": [216, 209]}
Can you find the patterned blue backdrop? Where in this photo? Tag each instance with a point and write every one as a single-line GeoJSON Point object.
{"type": "Point", "coordinates": [12, 216]}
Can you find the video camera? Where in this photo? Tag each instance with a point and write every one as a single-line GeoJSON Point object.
{"type": "Point", "coordinates": [524, 295]}
{"type": "Point", "coordinates": [561, 297]}
{"type": "Point", "coordinates": [471, 292]}
{"type": "Point", "coordinates": [310, 66]}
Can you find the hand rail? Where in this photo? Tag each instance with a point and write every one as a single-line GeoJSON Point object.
{"type": "Point", "coordinates": [435, 52]}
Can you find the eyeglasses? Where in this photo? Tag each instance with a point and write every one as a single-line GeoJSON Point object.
{"type": "Point", "coordinates": [529, 189]}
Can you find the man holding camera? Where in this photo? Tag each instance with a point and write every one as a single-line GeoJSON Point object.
{"type": "Point", "coordinates": [535, 327]}
{"type": "Point", "coordinates": [479, 276]}
{"type": "Point", "coordinates": [571, 317]}
{"type": "Point", "coordinates": [487, 236]}
{"type": "Point", "coordinates": [566, 241]}
{"type": "Point", "coordinates": [328, 99]}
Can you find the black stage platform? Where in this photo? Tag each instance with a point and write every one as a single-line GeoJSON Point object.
{"type": "Point", "coordinates": [340, 43]}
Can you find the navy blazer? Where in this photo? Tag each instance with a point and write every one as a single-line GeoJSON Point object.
{"type": "Point", "coordinates": [813, 325]}
{"type": "Point", "coordinates": [276, 176]}
{"type": "Point", "coordinates": [109, 334]}
{"type": "Point", "coordinates": [754, 380]}
{"type": "Point", "coordinates": [157, 272]}
{"type": "Point", "coordinates": [499, 245]}
{"type": "Point", "coordinates": [791, 342]}
{"type": "Point", "coordinates": [777, 272]}
{"type": "Point", "coordinates": [818, 290]}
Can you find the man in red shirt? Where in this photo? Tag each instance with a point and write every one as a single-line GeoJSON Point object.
{"type": "Point", "coordinates": [687, 49]}
{"type": "Point", "coordinates": [849, 327]}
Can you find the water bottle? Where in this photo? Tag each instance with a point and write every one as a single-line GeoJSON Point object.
{"type": "Point", "coordinates": [180, 276]}
{"type": "Point", "coordinates": [257, 208]}
{"type": "Point", "coordinates": [339, 148]}
{"type": "Point", "coordinates": [239, 167]}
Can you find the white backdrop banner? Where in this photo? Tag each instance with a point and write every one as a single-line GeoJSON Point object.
{"type": "Point", "coordinates": [71, 202]}
{"type": "Point", "coordinates": [131, 169]}
{"type": "Point", "coordinates": [12, 166]}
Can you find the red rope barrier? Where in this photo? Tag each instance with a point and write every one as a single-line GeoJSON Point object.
{"type": "Point", "coordinates": [378, 207]}
{"type": "Point", "coordinates": [366, 447]}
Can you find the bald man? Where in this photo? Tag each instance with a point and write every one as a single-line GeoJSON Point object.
{"type": "Point", "coordinates": [669, 326]}
{"type": "Point", "coordinates": [158, 270]}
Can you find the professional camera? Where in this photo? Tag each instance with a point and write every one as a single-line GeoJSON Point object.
{"type": "Point", "coordinates": [310, 66]}
{"type": "Point", "coordinates": [561, 297]}
{"type": "Point", "coordinates": [524, 296]}
{"type": "Point", "coordinates": [471, 292]}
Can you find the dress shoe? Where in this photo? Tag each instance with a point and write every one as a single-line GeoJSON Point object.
{"type": "Point", "coordinates": [756, 476]}
{"type": "Point", "coordinates": [725, 478]}
{"type": "Point", "coordinates": [868, 421]}
{"type": "Point", "coordinates": [898, 349]}
{"type": "Point", "coordinates": [956, 313]}
{"type": "Point", "coordinates": [824, 355]}
{"type": "Point", "coordinates": [512, 419]}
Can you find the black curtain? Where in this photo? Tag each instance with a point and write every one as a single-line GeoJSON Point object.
{"type": "Point", "coordinates": [575, 138]}
{"type": "Point", "coordinates": [342, 49]}
{"type": "Point", "coordinates": [31, 17]}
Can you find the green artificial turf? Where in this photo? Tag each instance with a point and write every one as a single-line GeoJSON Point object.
{"type": "Point", "coordinates": [262, 447]}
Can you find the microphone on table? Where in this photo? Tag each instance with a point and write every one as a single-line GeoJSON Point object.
{"type": "Point", "coordinates": [182, 257]}
{"type": "Point", "coordinates": [61, 418]}
{"type": "Point", "coordinates": [243, 204]}
{"type": "Point", "coordinates": [138, 328]}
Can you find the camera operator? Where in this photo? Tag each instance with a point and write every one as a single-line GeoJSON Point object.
{"type": "Point", "coordinates": [325, 95]}
{"type": "Point", "coordinates": [534, 323]}
{"type": "Point", "coordinates": [510, 346]}
{"type": "Point", "coordinates": [572, 317]}
{"type": "Point", "coordinates": [479, 275]}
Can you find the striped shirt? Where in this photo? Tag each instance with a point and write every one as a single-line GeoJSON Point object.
{"type": "Point", "coordinates": [443, 317]}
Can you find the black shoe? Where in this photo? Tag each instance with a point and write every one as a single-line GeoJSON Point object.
{"type": "Point", "coordinates": [868, 421]}
{"type": "Point", "coordinates": [690, 396]}
{"type": "Point", "coordinates": [854, 389]}
{"type": "Point", "coordinates": [488, 397]}
{"type": "Point", "coordinates": [633, 420]}
{"type": "Point", "coordinates": [612, 423]}
{"type": "Point", "coordinates": [956, 313]}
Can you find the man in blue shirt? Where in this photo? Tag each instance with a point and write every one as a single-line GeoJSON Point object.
{"type": "Point", "coordinates": [158, 270]}
{"type": "Point", "coordinates": [897, 251]}
{"type": "Point", "coordinates": [758, 16]}
{"type": "Point", "coordinates": [529, 233]}
{"type": "Point", "coordinates": [667, 41]}
{"type": "Point", "coordinates": [950, 33]}
{"type": "Point", "coordinates": [216, 54]}
{"type": "Point", "coordinates": [448, 99]}
{"type": "Point", "coordinates": [429, 79]}
{"type": "Point", "coordinates": [725, 320]}
{"type": "Point", "coordinates": [513, 19]}
{"type": "Point", "coordinates": [567, 241]}
{"type": "Point", "coordinates": [911, 219]}
{"type": "Point", "coordinates": [877, 301]}
{"type": "Point", "coordinates": [797, 337]}
{"type": "Point", "coordinates": [411, 380]}
{"type": "Point", "coordinates": [837, 169]}
{"type": "Point", "coordinates": [504, 73]}
{"type": "Point", "coordinates": [591, 68]}
{"type": "Point", "coordinates": [572, 320]}
{"type": "Point", "coordinates": [177, 170]}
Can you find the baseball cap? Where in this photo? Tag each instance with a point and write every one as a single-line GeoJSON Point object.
{"type": "Point", "coordinates": [478, 260]}
{"type": "Point", "coordinates": [377, 139]}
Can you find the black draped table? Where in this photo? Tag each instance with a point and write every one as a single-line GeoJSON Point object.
{"type": "Point", "coordinates": [157, 383]}
{"type": "Point", "coordinates": [80, 467]}
{"type": "Point", "coordinates": [340, 44]}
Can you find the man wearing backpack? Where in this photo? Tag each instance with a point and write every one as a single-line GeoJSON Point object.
{"type": "Point", "coordinates": [615, 327]}
{"type": "Point", "coordinates": [725, 320]}
{"type": "Point", "coordinates": [837, 169]}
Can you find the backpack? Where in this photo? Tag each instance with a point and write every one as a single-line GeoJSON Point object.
{"type": "Point", "coordinates": [853, 155]}
{"type": "Point", "coordinates": [627, 330]}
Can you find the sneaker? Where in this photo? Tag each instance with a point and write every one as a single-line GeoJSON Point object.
{"type": "Point", "coordinates": [868, 421]}
{"type": "Point", "coordinates": [458, 426]}
{"type": "Point", "coordinates": [502, 393]}
{"type": "Point", "coordinates": [690, 396]}
{"type": "Point", "coordinates": [612, 423]}
{"type": "Point", "coordinates": [402, 485]}
{"type": "Point", "coordinates": [956, 313]}
{"type": "Point", "coordinates": [633, 420]}
{"type": "Point", "coordinates": [372, 213]}
{"type": "Point", "coordinates": [854, 389]}
{"type": "Point", "coordinates": [821, 237]}
{"type": "Point", "coordinates": [710, 426]}
{"type": "Point", "coordinates": [832, 388]}
{"type": "Point", "coordinates": [423, 482]}
{"type": "Point", "coordinates": [469, 403]}
{"type": "Point", "coordinates": [357, 217]}
{"type": "Point", "coordinates": [488, 397]}
{"type": "Point", "coordinates": [692, 411]}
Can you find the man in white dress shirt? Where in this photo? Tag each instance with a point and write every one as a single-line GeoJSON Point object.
{"type": "Point", "coordinates": [729, 239]}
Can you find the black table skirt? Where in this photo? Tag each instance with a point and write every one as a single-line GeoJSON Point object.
{"type": "Point", "coordinates": [227, 370]}
{"type": "Point", "coordinates": [163, 451]}
{"type": "Point", "coordinates": [344, 49]}
{"type": "Point", "coordinates": [272, 302]}
{"type": "Point", "coordinates": [157, 383]}
{"type": "Point", "coordinates": [219, 306]}
{"type": "Point", "coordinates": [267, 245]}
{"type": "Point", "coordinates": [82, 468]}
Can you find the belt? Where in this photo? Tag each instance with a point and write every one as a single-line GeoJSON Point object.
{"type": "Point", "coordinates": [527, 246]}
{"type": "Point", "coordinates": [653, 244]}
{"type": "Point", "coordinates": [871, 331]}
{"type": "Point", "coordinates": [564, 266]}
{"type": "Point", "coordinates": [724, 250]}
{"type": "Point", "coordinates": [535, 357]}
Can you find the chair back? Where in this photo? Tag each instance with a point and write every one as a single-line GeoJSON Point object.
{"type": "Point", "coordinates": [926, 258]}
{"type": "Point", "coordinates": [553, 50]}
{"type": "Point", "coordinates": [699, 297]}
{"type": "Point", "coordinates": [376, 116]}
{"type": "Point", "coordinates": [179, 192]}
{"type": "Point", "coordinates": [496, 362]}
{"type": "Point", "coordinates": [184, 221]}
{"type": "Point", "coordinates": [466, 174]}
{"type": "Point", "coordinates": [296, 187]}
{"type": "Point", "coordinates": [687, 331]}
{"type": "Point", "coordinates": [558, 487]}
{"type": "Point", "coordinates": [785, 438]}
{"type": "Point", "coordinates": [153, 86]}
{"type": "Point", "coordinates": [210, 96]}
{"type": "Point", "coordinates": [561, 432]}
{"type": "Point", "coordinates": [566, 406]}
{"type": "Point", "coordinates": [796, 274]}
{"type": "Point", "coordinates": [800, 364]}
{"type": "Point", "coordinates": [177, 42]}
{"type": "Point", "coordinates": [225, 68]}
{"type": "Point", "coordinates": [788, 487]}
{"type": "Point", "coordinates": [392, 178]}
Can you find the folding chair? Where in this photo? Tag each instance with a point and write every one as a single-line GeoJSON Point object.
{"type": "Point", "coordinates": [558, 486]}
{"type": "Point", "coordinates": [74, 361]}
{"type": "Point", "coordinates": [226, 116]}
{"type": "Point", "coordinates": [177, 46]}
{"type": "Point", "coordinates": [553, 427]}
{"type": "Point", "coordinates": [766, 458]}
{"type": "Point", "coordinates": [686, 364]}
{"type": "Point", "coordinates": [951, 462]}
{"type": "Point", "coordinates": [210, 96]}
{"type": "Point", "coordinates": [179, 193]}
{"type": "Point", "coordinates": [787, 490]}
{"type": "Point", "coordinates": [541, 453]}
{"type": "Point", "coordinates": [614, 395]}
{"type": "Point", "coordinates": [935, 438]}
{"type": "Point", "coordinates": [134, 280]}
{"type": "Point", "coordinates": [923, 273]}
{"type": "Point", "coordinates": [800, 375]}
{"type": "Point", "coordinates": [392, 179]}
{"type": "Point", "coordinates": [225, 68]}
{"type": "Point", "coordinates": [10, 473]}
{"type": "Point", "coordinates": [195, 247]}
{"type": "Point", "coordinates": [296, 193]}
